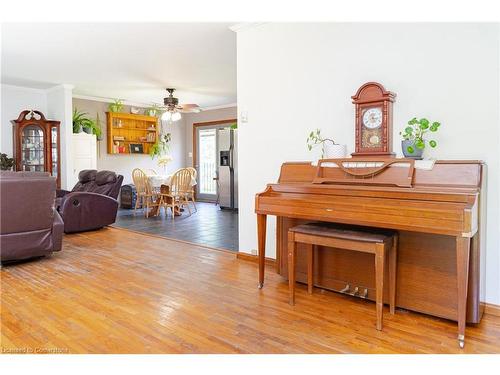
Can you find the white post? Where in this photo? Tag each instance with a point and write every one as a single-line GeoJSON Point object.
{"type": "Point", "coordinates": [60, 108]}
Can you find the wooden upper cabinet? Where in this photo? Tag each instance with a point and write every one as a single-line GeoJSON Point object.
{"type": "Point", "coordinates": [37, 144]}
{"type": "Point", "coordinates": [131, 134]}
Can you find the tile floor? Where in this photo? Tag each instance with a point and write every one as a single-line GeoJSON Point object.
{"type": "Point", "coordinates": [209, 226]}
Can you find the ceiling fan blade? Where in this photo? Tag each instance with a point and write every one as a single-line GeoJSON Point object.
{"type": "Point", "coordinates": [189, 106]}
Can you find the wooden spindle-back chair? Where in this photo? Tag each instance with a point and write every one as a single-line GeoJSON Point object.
{"type": "Point", "coordinates": [180, 187]}
{"type": "Point", "coordinates": [145, 193]}
{"type": "Point", "coordinates": [194, 174]}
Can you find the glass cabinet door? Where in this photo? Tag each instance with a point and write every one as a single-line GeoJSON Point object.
{"type": "Point", "coordinates": [53, 150]}
{"type": "Point", "coordinates": [33, 149]}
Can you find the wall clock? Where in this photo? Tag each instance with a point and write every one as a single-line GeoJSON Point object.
{"type": "Point", "coordinates": [373, 105]}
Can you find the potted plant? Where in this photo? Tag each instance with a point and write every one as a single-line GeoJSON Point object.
{"type": "Point", "coordinates": [6, 163]}
{"type": "Point", "coordinates": [81, 122]}
{"type": "Point", "coordinates": [330, 149]}
{"type": "Point", "coordinates": [153, 111]}
{"type": "Point", "coordinates": [116, 106]}
{"type": "Point", "coordinates": [414, 142]}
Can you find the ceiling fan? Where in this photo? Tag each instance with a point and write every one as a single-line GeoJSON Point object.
{"type": "Point", "coordinates": [173, 109]}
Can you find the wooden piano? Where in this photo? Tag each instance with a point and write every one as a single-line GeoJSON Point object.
{"type": "Point", "coordinates": [436, 211]}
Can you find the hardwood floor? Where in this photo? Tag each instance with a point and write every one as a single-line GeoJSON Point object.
{"type": "Point", "coordinates": [114, 291]}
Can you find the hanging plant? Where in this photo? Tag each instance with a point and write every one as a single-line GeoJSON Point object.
{"type": "Point", "coordinates": [161, 147]}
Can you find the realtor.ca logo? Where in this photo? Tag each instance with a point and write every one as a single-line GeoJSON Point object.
{"type": "Point", "coordinates": [28, 350]}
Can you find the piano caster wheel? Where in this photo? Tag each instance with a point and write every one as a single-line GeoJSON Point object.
{"type": "Point", "coordinates": [461, 341]}
{"type": "Point", "coordinates": [261, 285]}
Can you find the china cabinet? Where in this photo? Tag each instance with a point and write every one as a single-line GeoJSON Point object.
{"type": "Point", "coordinates": [37, 144]}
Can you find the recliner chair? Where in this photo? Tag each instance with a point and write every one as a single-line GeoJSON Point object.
{"type": "Point", "coordinates": [29, 224]}
{"type": "Point", "coordinates": [92, 204]}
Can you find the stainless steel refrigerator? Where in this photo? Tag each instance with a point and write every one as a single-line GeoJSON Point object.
{"type": "Point", "coordinates": [228, 168]}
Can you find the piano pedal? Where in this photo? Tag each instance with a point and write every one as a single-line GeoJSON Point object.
{"type": "Point", "coordinates": [346, 289]}
{"type": "Point", "coordinates": [355, 293]}
{"type": "Point", "coordinates": [364, 294]}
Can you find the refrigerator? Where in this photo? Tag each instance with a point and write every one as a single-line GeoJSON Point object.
{"type": "Point", "coordinates": [227, 140]}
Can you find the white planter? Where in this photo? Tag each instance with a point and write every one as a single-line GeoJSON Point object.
{"type": "Point", "coordinates": [334, 151]}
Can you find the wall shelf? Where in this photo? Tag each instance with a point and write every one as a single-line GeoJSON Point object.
{"type": "Point", "coordinates": [130, 128]}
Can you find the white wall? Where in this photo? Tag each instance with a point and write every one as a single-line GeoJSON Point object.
{"type": "Point", "coordinates": [15, 100]}
{"type": "Point", "coordinates": [293, 78]}
{"type": "Point", "coordinates": [124, 164]}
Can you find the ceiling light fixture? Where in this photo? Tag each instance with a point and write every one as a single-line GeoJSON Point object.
{"type": "Point", "coordinates": [173, 109]}
{"type": "Point", "coordinates": [171, 104]}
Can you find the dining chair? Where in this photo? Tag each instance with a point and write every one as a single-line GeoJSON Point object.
{"type": "Point", "coordinates": [145, 194]}
{"type": "Point", "coordinates": [190, 195]}
{"type": "Point", "coordinates": [180, 186]}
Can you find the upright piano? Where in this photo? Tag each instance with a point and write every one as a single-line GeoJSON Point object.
{"type": "Point", "coordinates": [436, 210]}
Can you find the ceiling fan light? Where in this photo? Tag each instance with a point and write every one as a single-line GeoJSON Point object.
{"type": "Point", "coordinates": [166, 116]}
{"type": "Point", "coordinates": [176, 116]}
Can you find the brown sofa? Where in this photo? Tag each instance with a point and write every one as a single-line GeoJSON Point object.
{"type": "Point", "coordinates": [29, 224]}
{"type": "Point", "coordinates": [92, 204]}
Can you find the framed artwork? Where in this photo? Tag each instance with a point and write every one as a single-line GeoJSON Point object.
{"type": "Point", "coordinates": [136, 148]}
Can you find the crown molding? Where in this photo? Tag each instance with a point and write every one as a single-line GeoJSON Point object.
{"type": "Point", "coordinates": [230, 105]}
{"type": "Point", "coordinates": [110, 100]}
{"type": "Point", "coordinates": [143, 105]}
{"type": "Point", "coordinates": [65, 86]}
{"type": "Point", "coordinates": [24, 88]}
{"type": "Point", "coordinates": [245, 26]}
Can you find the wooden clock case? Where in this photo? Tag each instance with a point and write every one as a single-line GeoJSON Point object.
{"type": "Point", "coordinates": [373, 94]}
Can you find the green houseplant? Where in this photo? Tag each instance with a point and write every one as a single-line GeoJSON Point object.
{"type": "Point", "coordinates": [6, 163]}
{"type": "Point", "coordinates": [116, 105]}
{"type": "Point", "coordinates": [414, 137]}
{"type": "Point", "coordinates": [81, 122]}
{"type": "Point", "coordinates": [161, 147]}
{"type": "Point", "coordinates": [98, 128]}
{"type": "Point", "coordinates": [154, 111]}
{"type": "Point", "coordinates": [330, 149]}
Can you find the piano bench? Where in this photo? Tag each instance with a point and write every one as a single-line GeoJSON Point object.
{"type": "Point", "coordinates": [367, 240]}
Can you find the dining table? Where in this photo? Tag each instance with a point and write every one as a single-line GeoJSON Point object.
{"type": "Point", "coordinates": [157, 180]}
{"type": "Point", "coordinates": [162, 183]}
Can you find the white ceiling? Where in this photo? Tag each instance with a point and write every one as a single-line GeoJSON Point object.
{"type": "Point", "coordinates": [131, 61]}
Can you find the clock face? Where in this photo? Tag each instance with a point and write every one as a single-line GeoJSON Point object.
{"type": "Point", "coordinates": [372, 118]}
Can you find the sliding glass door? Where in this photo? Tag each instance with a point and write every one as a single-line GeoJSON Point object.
{"type": "Point", "coordinates": [206, 163]}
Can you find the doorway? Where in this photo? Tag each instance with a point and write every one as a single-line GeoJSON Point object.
{"type": "Point", "coordinates": [206, 166]}
{"type": "Point", "coordinates": [205, 158]}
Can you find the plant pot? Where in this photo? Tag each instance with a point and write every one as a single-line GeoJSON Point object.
{"type": "Point", "coordinates": [334, 151]}
{"type": "Point", "coordinates": [87, 130]}
{"type": "Point", "coordinates": [417, 152]}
